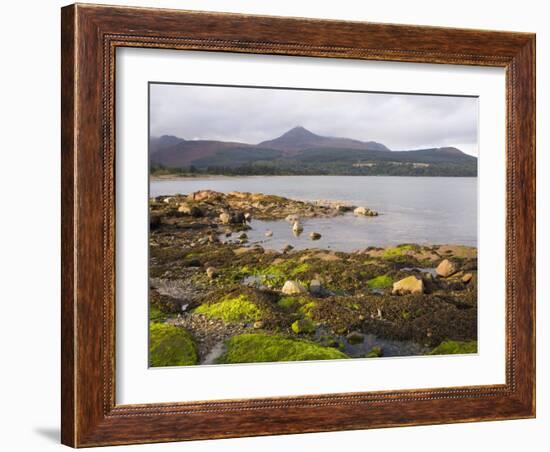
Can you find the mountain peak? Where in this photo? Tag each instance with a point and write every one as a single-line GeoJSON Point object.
{"type": "Point", "coordinates": [450, 150]}
{"type": "Point", "coordinates": [298, 131]}
{"type": "Point", "coordinates": [299, 138]}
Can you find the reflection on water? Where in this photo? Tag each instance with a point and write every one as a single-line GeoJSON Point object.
{"type": "Point", "coordinates": [423, 210]}
{"type": "Point", "coordinates": [370, 342]}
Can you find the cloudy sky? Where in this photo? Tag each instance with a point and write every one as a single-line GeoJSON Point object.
{"type": "Point", "coordinates": [252, 115]}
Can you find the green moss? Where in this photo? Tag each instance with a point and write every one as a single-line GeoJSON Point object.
{"type": "Point", "coordinates": [171, 346]}
{"type": "Point", "coordinates": [256, 348]}
{"type": "Point", "coordinates": [232, 309]}
{"type": "Point", "coordinates": [234, 275]}
{"type": "Point", "coordinates": [307, 309]}
{"type": "Point", "coordinates": [391, 253]}
{"type": "Point", "coordinates": [300, 268]}
{"type": "Point", "coordinates": [303, 326]}
{"type": "Point", "coordinates": [455, 348]}
{"type": "Point", "coordinates": [288, 303]}
{"type": "Point", "coordinates": [376, 352]}
{"type": "Point", "coordinates": [275, 275]}
{"type": "Point", "coordinates": [156, 315]}
{"type": "Point", "coordinates": [380, 282]}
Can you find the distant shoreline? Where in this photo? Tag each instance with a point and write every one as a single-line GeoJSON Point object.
{"type": "Point", "coordinates": [176, 177]}
{"type": "Point", "coordinates": [169, 177]}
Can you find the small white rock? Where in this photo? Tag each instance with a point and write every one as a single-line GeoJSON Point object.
{"type": "Point", "coordinates": [293, 288]}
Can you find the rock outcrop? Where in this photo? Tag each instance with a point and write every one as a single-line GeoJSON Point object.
{"type": "Point", "coordinates": [409, 285]}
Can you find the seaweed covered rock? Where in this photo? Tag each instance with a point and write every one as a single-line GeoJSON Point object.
{"type": "Point", "coordinates": [232, 309]}
{"type": "Point", "coordinates": [355, 337]}
{"type": "Point", "coordinates": [455, 348]}
{"type": "Point", "coordinates": [380, 282]}
{"type": "Point", "coordinates": [375, 352]}
{"type": "Point", "coordinates": [171, 346]}
{"type": "Point", "coordinates": [260, 347]}
{"type": "Point", "coordinates": [303, 326]}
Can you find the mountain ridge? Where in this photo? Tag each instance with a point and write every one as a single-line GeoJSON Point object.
{"type": "Point", "coordinates": [299, 138]}
{"type": "Point", "coordinates": [300, 151]}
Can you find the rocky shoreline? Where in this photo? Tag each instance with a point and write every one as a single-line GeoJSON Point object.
{"type": "Point", "coordinates": [225, 300]}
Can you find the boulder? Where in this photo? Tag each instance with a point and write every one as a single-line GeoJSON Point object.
{"type": "Point", "coordinates": [205, 195]}
{"type": "Point", "coordinates": [361, 211]}
{"type": "Point", "coordinates": [315, 287]}
{"type": "Point", "coordinates": [365, 211]}
{"type": "Point", "coordinates": [258, 324]}
{"type": "Point", "coordinates": [293, 288]}
{"type": "Point", "coordinates": [268, 233]}
{"type": "Point", "coordinates": [247, 217]}
{"type": "Point", "coordinates": [355, 337]}
{"type": "Point", "coordinates": [237, 217]}
{"type": "Point", "coordinates": [187, 209]}
{"type": "Point", "coordinates": [408, 285]}
{"type": "Point", "coordinates": [184, 208]}
{"type": "Point", "coordinates": [446, 268]}
{"type": "Point", "coordinates": [211, 272]}
{"type": "Point", "coordinates": [241, 251]}
{"type": "Point", "coordinates": [314, 236]}
{"type": "Point", "coordinates": [467, 278]}
{"type": "Point", "coordinates": [225, 218]}
{"type": "Point", "coordinates": [287, 248]}
{"type": "Point", "coordinates": [292, 218]}
{"type": "Point", "coordinates": [243, 236]}
{"type": "Point", "coordinates": [297, 227]}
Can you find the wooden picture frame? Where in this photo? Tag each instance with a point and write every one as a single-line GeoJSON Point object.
{"type": "Point", "coordinates": [90, 36]}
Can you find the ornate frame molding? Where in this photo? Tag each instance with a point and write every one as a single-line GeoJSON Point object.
{"type": "Point", "coordinates": [90, 37]}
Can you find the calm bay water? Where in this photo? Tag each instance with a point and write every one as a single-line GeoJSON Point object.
{"type": "Point", "coordinates": [424, 210]}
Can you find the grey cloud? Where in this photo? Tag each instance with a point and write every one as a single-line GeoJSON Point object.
{"type": "Point", "coordinates": [251, 115]}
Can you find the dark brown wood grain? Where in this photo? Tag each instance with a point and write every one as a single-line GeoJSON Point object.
{"type": "Point", "coordinates": [90, 36]}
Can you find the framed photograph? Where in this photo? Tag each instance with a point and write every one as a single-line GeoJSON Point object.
{"type": "Point", "coordinates": [281, 225]}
